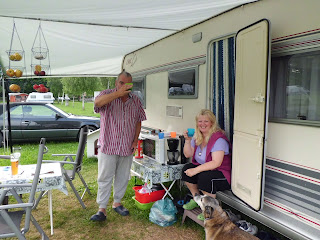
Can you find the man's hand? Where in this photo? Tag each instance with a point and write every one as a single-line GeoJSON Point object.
{"type": "Point", "coordinates": [124, 90]}
{"type": "Point", "coordinates": [134, 146]}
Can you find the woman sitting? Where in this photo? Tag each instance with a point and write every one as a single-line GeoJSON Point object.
{"type": "Point", "coordinates": [210, 169]}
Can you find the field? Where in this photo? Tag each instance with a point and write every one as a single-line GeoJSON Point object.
{"type": "Point", "coordinates": [71, 221]}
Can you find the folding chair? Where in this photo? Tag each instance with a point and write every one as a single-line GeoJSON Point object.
{"type": "Point", "coordinates": [69, 175]}
{"type": "Point", "coordinates": [10, 221]}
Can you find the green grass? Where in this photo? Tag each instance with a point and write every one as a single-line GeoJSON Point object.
{"type": "Point", "coordinates": [71, 221]}
{"type": "Point", "coordinates": [76, 108]}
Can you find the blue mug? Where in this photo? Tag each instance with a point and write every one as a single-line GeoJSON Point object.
{"type": "Point", "coordinates": [191, 132]}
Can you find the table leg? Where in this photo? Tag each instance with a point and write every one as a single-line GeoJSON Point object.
{"type": "Point", "coordinates": [168, 190]}
{"type": "Point", "coordinates": [50, 210]}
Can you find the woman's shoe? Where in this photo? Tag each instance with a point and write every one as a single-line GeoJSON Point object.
{"type": "Point", "coordinates": [201, 217]}
{"type": "Point", "coordinates": [190, 205]}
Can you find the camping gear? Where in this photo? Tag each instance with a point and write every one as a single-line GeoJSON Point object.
{"type": "Point", "coordinates": [147, 197]}
{"type": "Point", "coordinates": [142, 206]}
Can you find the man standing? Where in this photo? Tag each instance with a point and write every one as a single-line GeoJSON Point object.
{"type": "Point", "coordinates": [121, 114]}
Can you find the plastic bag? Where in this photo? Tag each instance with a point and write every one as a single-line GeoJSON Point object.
{"type": "Point", "coordinates": [163, 213]}
{"type": "Point", "coordinates": [145, 189]}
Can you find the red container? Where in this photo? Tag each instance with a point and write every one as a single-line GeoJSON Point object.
{"type": "Point", "coordinates": [148, 197]}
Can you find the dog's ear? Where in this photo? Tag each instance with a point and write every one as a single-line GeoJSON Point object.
{"type": "Point", "coordinates": [216, 202]}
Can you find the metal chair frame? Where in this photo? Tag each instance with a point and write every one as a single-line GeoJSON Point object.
{"type": "Point", "coordinates": [8, 211]}
{"type": "Point", "coordinates": [76, 161]}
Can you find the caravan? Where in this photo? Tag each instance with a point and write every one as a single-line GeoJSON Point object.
{"type": "Point", "coordinates": [257, 67]}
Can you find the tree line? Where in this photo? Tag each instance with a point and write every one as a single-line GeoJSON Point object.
{"type": "Point", "coordinates": [73, 86]}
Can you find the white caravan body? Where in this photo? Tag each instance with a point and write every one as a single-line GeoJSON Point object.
{"type": "Point", "coordinates": [257, 67]}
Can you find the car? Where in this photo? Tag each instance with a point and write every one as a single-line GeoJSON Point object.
{"type": "Point", "coordinates": [32, 121]}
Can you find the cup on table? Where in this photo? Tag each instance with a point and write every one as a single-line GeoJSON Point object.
{"type": "Point", "coordinates": [130, 84]}
{"type": "Point", "coordinates": [14, 165]}
{"type": "Point", "coordinates": [191, 132]}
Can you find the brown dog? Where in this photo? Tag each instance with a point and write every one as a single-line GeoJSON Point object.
{"type": "Point", "coordinates": [217, 224]}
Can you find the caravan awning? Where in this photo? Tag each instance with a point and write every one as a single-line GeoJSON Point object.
{"type": "Point", "coordinates": [91, 38]}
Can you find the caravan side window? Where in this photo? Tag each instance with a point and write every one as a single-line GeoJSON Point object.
{"type": "Point", "coordinates": [139, 89]}
{"type": "Point", "coordinates": [295, 88]}
{"type": "Point", "coordinates": [183, 83]}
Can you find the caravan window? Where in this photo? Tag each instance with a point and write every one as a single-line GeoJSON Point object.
{"type": "Point", "coordinates": [295, 87]}
{"type": "Point", "coordinates": [183, 83]}
{"type": "Point", "coordinates": [139, 89]}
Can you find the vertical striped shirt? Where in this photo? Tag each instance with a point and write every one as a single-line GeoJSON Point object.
{"type": "Point", "coordinates": [118, 122]}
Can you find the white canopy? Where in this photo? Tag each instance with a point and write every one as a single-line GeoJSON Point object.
{"type": "Point", "coordinates": [91, 38]}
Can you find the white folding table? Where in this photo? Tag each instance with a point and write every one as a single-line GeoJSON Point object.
{"type": "Point", "coordinates": [153, 172]}
{"type": "Point", "coordinates": [50, 178]}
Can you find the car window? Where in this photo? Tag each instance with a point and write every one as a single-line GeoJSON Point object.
{"type": "Point", "coordinates": [38, 111]}
{"type": "Point", "coordinates": [16, 112]}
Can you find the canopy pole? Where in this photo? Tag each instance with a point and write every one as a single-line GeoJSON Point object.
{"type": "Point", "coordinates": [8, 113]}
{"type": "Point", "coordinates": [3, 111]}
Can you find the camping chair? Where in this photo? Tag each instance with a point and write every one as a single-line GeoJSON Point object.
{"type": "Point", "coordinates": [10, 221]}
{"type": "Point", "coordinates": [69, 175]}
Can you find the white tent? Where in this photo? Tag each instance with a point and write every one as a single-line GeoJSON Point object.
{"type": "Point", "coordinates": [91, 38]}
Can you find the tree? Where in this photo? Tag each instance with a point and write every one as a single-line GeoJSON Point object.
{"type": "Point", "coordinates": [108, 82]}
{"type": "Point", "coordinates": [55, 86]}
{"type": "Point", "coordinates": [75, 86]}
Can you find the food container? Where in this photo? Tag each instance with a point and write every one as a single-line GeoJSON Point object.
{"type": "Point", "coordinates": [148, 197]}
{"type": "Point", "coordinates": [142, 206]}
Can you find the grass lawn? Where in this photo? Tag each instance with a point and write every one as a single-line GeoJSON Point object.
{"type": "Point", "coordinates": [72, 222]}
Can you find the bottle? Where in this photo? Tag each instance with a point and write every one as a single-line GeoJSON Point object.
{"type": "Point", "coordinates": [139, 150]}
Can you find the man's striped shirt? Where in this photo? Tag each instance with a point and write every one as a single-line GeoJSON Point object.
{"type": "Point", "coordinates": [118, 121]}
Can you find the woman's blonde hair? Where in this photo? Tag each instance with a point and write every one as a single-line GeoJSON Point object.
{"type": "Point", "coordinates": [214, 128]}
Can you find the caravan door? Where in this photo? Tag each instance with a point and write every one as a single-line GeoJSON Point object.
{"type": "Point", "coordinates": [250, 112]}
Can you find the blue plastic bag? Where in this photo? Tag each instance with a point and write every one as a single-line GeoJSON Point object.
{"type": "Point", "coordinates": [163, 213]}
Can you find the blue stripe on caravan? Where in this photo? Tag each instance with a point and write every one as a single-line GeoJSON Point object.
{"type": "Point", "coordinates": [231, 84]}
{"type": "Point", "coordinates": [214, 109]}
{"type": "Point", "coordinates": [220, 85]}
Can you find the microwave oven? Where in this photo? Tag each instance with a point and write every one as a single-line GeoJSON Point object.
{"type": "Point", "coordinates": [154, 147]}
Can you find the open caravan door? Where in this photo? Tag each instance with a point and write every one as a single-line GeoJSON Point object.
{"type": "Point", "coordinates": [250, 112]}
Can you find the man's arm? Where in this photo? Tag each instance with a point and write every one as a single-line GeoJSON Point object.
{"type": "Point", "coordinates": [107, 98]}
{"type": "Point", "coordinates": [136, 136]}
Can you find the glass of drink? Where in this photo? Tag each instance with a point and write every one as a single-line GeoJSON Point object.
{"type": "Point", "coordinates": [15, 156]}
{"type": "Point", "coordinates": [14, 165]}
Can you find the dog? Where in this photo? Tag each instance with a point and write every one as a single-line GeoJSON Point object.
{"type": "Point", "coordinates": [217, 224]}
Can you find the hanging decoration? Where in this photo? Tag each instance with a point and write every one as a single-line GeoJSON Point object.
{"type": "Point", "coordinates": [17, 64]}
{"type": "Point", "coordinates": [40, 60]}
